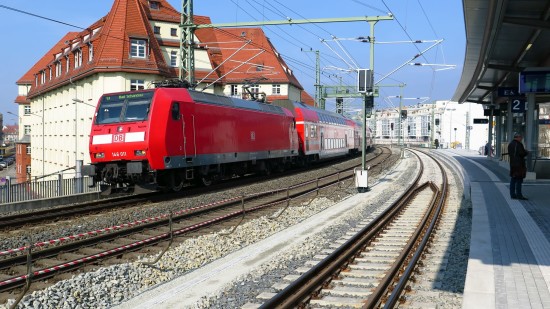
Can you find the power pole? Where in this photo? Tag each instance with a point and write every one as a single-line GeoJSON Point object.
{"type": "Point", "coordinates": [400, 118]}
{"type": "Point", "coordinates": [317, 77]}
{"type": "Point", "coordinates": [432, 128]}
{"type": "Point", "coordinates": [187, 43]}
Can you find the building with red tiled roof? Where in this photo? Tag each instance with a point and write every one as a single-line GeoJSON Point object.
{"type": "Point", "coordinates": [134, 45]}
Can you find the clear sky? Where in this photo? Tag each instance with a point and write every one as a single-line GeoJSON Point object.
{"type": "Point", "coordinates": [25, 39]}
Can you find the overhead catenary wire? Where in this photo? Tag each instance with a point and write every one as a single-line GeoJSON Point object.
{"type": "Point", "coordinates": [280, 13]}
{"type": "Point", "coordinates": [319, 37]}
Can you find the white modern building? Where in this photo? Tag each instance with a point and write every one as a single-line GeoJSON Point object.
{"type": "Point", "coordinates": [452, 124]}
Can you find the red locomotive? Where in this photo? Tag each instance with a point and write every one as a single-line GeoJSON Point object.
{"type": "Point", "coordinates": [170, 137]}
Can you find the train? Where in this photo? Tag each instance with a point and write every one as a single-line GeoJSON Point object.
{"type": "Point", "coordinates": [169, 137]}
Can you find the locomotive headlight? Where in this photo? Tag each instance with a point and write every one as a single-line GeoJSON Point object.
{"type": "Point", "coordinates": [99, 155]}
{"type": "Point", "coordinates": [139, 152]}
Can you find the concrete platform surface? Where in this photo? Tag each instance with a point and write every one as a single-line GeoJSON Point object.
{"type": "Point", "coordinates": [509, 262]}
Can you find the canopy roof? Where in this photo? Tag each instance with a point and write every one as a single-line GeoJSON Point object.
{"type": "Point", "coordinates": [503, 37]}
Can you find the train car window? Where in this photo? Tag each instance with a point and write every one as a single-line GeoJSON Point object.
{"type": "Point", "coordinates": [124, 107]}
{"type": "Point", "coordinates": [109, 112]}
{"type": "Point", "coordinates": [175, 110]}
{"type": "Point", "coordinates": [137, 110]}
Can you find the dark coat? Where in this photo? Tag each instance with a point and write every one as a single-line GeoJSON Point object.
{"type": "Point", "coordinates": [517, 154]}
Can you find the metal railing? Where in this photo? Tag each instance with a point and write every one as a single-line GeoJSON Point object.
{"type": "Point", "coordinates": [33, 190]}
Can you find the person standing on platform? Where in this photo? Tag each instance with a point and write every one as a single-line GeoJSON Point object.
{"type": "Point", "coordinates": [518, 168]}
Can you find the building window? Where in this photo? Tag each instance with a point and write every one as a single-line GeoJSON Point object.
{"type": "Point", "coordinates": [58, 69]}
{"type": "Point", "coordinates": [137, 48]}
{"type": "Point", "coordinates": [259, 67]}
{"type": "Point", "coordinates": [28, 170]}
{"type": "Point", "coordinates": [28, 149]}
{"type": "Point", "coordinates": [27, 129]}
{"type": "Point", "coordinates": [276, 89]}
{"type": "Point", "coordinates": [174, 58]}
{"type": "Point", "coordinates": [137, 84]}
{"type": "Point", "coordinates": [50, 73]}
{"type": "Point", "coordinates": [154, 5]}
{"type": "Point", "coordinates": [77, 58]}
{"type": "Point", "coordinates": [234, 90]}
{"type": "Point", "coordinates": [27, 109]}
{"type": "Point", "coordinates": [90, 52]}
{"type": "Point", "coordinates": [156, 29]}
{"type": "Point", "coordinates": [68, 62]}
{"type": "Point", "coordinates": [43, 77]}
{"type": "Point", "coordinates": [255, 88]}
{"type": "Point", "coordinates": [174, 32]}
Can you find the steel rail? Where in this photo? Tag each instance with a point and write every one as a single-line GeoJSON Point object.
{"type": "Point", "coordinates": [435, 215]}
{"type": "Point", "coordinates": [37, 275]}
{"type": "Point", "coordinates": [308, 284]}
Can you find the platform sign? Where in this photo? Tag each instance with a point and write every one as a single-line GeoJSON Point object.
{"type": "Point", "coordinates": [481, 121]}
{"type": "Point", "coordinates": [518, 105]}
{"type": "Point", "coordinates": [535, 80]}
{"type": "Point", "coordinates": [544, 121]}
{"type": "Point", "coordinates": [508, 91]}
{"type": "Point", "coordinates": [487, 112]}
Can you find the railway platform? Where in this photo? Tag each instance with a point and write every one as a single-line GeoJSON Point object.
{"type": "Point", "coordinates": [509, 258]}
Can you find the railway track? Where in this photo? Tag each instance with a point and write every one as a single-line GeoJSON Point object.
{"type": "Point", "coordinates": [149, 235]}
{"type": "Point", "coordinates": [371, 269]}
{"type": "Point", "coordinates": [51, 216]}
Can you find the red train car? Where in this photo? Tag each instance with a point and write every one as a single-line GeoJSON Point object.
{"type": "Point", "coordinates": [324, 134]}
{"type": "Point", "coordinates": [169, 137]}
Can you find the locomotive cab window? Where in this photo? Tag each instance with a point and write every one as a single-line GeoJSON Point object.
{"type": "Point", "coordinates": [136, 110]}
{"type": "Point", "coordinates": [124, 107]}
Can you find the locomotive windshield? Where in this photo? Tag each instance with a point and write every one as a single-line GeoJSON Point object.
{"type": "Point", "coordinates": [124, 107]}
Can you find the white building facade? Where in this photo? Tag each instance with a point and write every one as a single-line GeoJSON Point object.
{"type": "Point", "coordinates": [452, 124]}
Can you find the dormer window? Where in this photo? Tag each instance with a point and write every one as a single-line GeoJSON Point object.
{"type": "Point", "coordinates": [77, 58]}
{"type": "Point", "coordinates": [58, 69]}
{"type": "Point", "coordinates": [68, 59]}
{"type": "Point", "coordinates": [138, 48]}
{"type": "Point", "coordinates": [154, 5]}
{"type": "Point", "coordinates": [90, 52]}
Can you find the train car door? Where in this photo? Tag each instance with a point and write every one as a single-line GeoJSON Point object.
{"type": "Point", "coordinates": [175, 137]}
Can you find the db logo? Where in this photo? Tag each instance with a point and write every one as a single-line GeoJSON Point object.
{"type": "Point", "coordinates": [118, 138]}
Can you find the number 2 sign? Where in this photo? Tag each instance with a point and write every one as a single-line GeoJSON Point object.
{"type": "Point", "coordinates": [518, 105]}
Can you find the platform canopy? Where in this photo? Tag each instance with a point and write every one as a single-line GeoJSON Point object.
{"type": "Point", "coordinates": [503, 37]}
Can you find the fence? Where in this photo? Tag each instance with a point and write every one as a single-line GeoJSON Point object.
{"type": "Point", "coordinates": [32, 190]}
